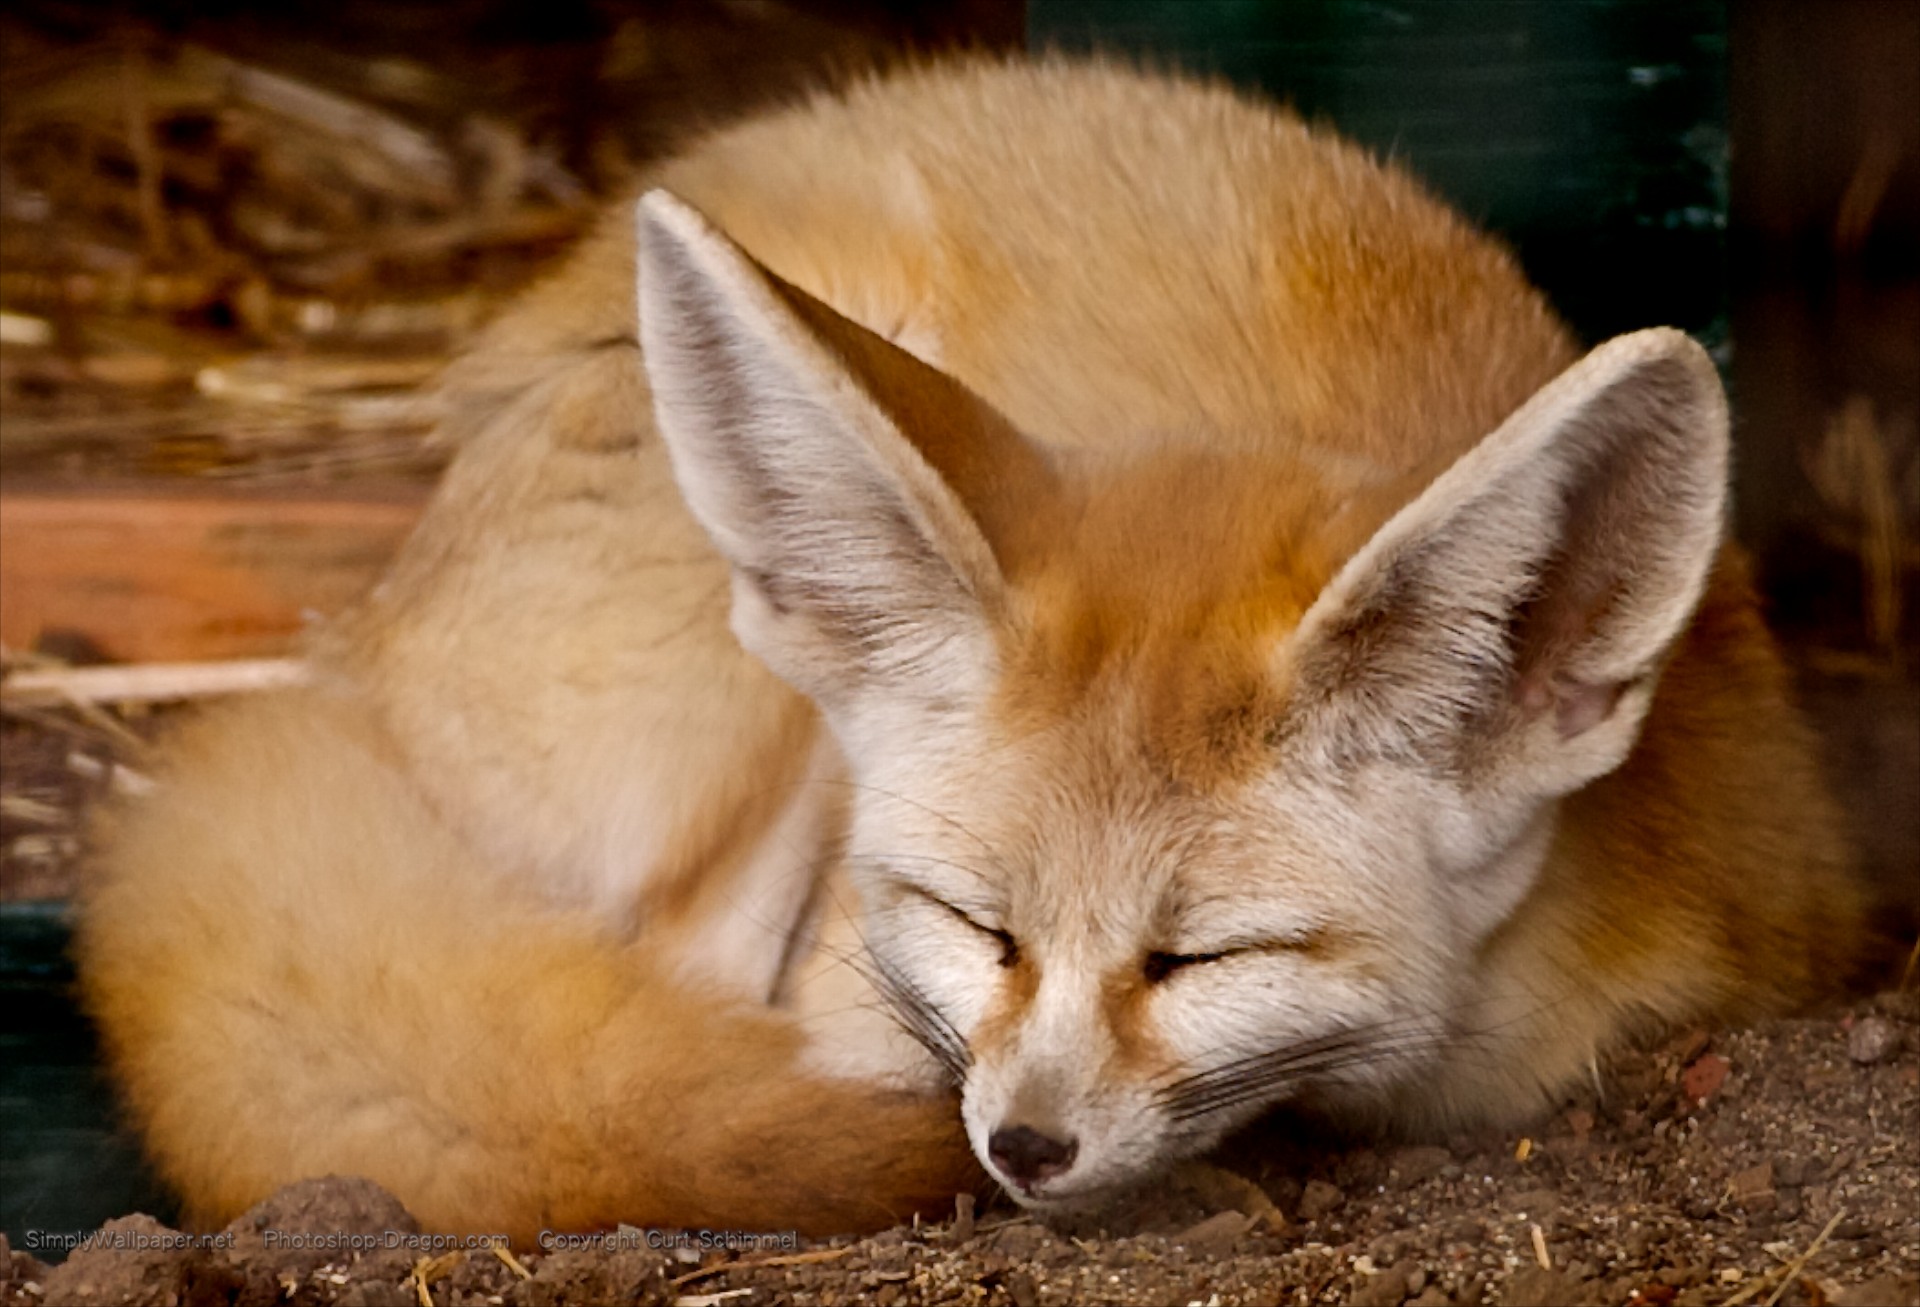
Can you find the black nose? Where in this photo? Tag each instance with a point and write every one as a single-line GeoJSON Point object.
{"type": "Point", "coordinates": [1026, 1157]}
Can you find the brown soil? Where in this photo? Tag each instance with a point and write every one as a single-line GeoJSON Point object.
{"type": "Point", "coordinates": [1773, 1164]}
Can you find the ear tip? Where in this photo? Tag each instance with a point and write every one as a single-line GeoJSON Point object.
{"type": "Point", "coordinates": [1664, 344]}
{"type": "Point", "coordinates": [661, 216]}
{"type": "Point", "coordinates": [1668, 352]}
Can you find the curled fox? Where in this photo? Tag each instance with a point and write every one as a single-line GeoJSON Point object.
{"type": "Point", "coordinates": [1066, 609]}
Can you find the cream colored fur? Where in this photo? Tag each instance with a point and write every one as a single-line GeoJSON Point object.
{"type": "Point", "coordinates": [1145, 578]}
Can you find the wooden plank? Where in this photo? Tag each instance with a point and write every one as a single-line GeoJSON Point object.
{"type": "Point", "coordinates": [37, 687]}
{"type": "Point", "coordinates": [145, 575]}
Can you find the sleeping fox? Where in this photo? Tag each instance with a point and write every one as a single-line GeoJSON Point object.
{"type": "Point", "coordinates": [1011, 617]}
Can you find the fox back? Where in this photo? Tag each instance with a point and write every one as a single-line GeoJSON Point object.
{"type": "Point", "coordinates": [1179, 577]}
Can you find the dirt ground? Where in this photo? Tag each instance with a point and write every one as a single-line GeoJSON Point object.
{"type": "Point", "coordinates": [1773, 1164]}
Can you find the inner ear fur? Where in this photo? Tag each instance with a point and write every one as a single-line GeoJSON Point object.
{"type": "Point", "coordinates": [851, 486]}
{"type": "Point", "coordinates": [1510, 621]}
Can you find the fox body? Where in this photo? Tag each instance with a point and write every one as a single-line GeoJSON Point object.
{"type": "Point", "coordinates": [1078, 592]}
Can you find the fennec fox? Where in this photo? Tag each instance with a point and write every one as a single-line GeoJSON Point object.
{"type": "Point", "coordinates": [1076, 559]}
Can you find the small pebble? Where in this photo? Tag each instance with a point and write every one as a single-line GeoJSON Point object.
{"type": "Point", "coordinates": [1384, 1288]}
{"type": "Point", "coordinates": [1220, 1231]}
{"type": "Point", "coordinates": [1319, 1198]}
{"type": "Point", "coordinates": [1794, 1170]}
{"type": "Point", "coordinates": [1872, 1040]}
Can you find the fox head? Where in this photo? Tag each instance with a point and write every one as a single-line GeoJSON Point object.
{"type": "Point", "coordinates": [1185, 779]}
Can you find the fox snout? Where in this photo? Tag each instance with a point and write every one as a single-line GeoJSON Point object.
{"type": "Point", "coordinates": [1031, 1138]}
{"type": "Point", "coordinates": [1053, 1109]}
{"type": "Point", "coordinates": [1044, 1157]}
{"type": "Point", "coordinates": [1026, 1158]}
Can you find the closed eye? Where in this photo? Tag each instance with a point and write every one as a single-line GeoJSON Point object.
{"type": "Point", "coordinates": [1318, 943]}
{"type": "Point", "coordinates": [1159, 966]}
{"type": "Point", "coordinates": [1009, 947]}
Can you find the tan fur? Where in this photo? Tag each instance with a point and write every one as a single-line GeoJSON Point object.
{"type": "Point", "coordinates": [321, 979]}
{"type": "Point", "coordinates": [1132, 402]}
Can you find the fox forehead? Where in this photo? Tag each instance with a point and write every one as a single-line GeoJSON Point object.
{"type": "Point", "coordinates": [1121, 780]}
{"type": "Point", "coordinates": [1150, 606]}
{"type": "Point", "coordinates": [1085, 830]}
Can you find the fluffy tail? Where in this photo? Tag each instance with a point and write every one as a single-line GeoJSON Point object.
{"type": "Point", "coordinates": [297, 970]}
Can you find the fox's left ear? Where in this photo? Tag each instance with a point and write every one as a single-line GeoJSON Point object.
{"type": "Point", "coordinates": [1508, 625]}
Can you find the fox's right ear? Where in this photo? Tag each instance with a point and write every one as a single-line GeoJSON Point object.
{"type": "Point", "coordinates": [1509, 624]}
{"type": "Point", "coordinates": [1504, 631]}
{"type": "Point", "coordinates": [854, 559]}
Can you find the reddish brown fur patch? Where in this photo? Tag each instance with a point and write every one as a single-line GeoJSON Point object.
{"type": "Point", "coordinates": [1138, 1053]}
{"type": "Point", "coordinates": [1003, 1017]}
{"type": "Point", "coordinates": [1178, 614]}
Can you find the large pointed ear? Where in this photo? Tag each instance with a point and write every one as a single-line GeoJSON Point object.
{"type": "Point", "coordinates": [1507, 626]}
{"type": "Point", "coordinates": [854, 558]}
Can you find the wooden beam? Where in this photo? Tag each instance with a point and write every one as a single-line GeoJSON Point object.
{"type": "Point", "coordinates": [38, 687]}
{"type": "Point", "coordinates": [165, 575]}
